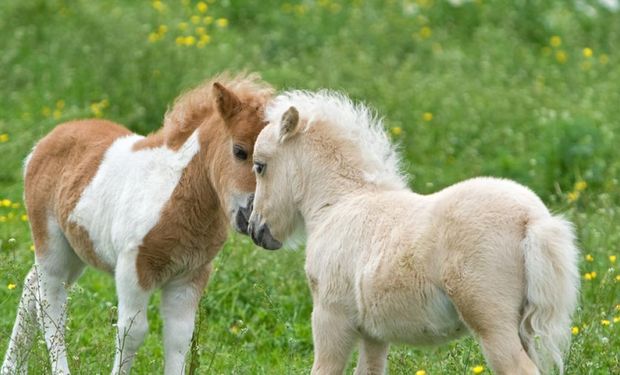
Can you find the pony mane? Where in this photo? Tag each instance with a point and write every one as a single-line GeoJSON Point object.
{"type": "Point", "coordinates": [192, 107]}
{"type": "Point", "coordinates": [357, 125]}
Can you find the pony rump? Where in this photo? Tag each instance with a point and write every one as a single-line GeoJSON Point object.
{"type": "Point", "coordinates": [355, 123]}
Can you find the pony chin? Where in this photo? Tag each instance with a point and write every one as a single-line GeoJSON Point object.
{"type": "Point", "coordinates": [297, 238]}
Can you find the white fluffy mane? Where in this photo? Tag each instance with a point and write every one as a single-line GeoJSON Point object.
{"type": "Point", "coordinates": [357, 123]}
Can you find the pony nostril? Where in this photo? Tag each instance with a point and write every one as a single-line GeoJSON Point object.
{"type": "Point", "coordinates": [261, 233]}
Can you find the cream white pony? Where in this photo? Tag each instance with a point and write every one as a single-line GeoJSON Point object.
{"type": "Point", "coordinates": [385, 264]}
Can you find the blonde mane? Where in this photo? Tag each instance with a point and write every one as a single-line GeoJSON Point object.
{"type": "Point", "coordinates": [357, 124]}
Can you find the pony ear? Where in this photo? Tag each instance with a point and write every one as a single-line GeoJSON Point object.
{"type": "Point", "coordinates": [228, 104]}
{"type": "Point", "coordinates": [289, 123]}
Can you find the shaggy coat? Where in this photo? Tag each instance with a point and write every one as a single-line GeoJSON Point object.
{"type": "Point", "coordinates": [153, 211]}
{"type": "Point", "coordinates": [385, 264]}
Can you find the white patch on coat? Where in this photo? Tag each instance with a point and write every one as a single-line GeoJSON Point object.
{"type": "Point", "coordinates": [124, 200]}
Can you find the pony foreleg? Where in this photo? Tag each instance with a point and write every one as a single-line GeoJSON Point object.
{"type": "Point", "coordinates": [16, 358]}
{"type": "Point", "coordinates": [179, 301]}
{"type": "Point", "coordinates": [373, 355]}
{"type": "Point", "coordinates": [132, 324]}
{"type": "Point", "coordinates": [334, 337]}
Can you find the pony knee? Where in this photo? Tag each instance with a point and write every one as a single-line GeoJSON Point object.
{"type": "Point", "coordinates": [131, 333]}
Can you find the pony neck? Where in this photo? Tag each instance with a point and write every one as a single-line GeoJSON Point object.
{"type": "Point", "coordinates": [214, 154]}
{"type": "Point", "coordinates": [321, 192]}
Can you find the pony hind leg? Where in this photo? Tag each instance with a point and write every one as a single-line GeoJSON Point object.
{"type": "Point", "coordinates": [488, 300]}
{"type": "Point", "coordinates": [57, 267]}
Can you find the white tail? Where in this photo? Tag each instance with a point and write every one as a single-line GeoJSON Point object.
{"type": "Point", "coordinates": [552, 285]}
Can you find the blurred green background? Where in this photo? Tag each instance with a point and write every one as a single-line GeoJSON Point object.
{"type": "Point", "coordinates": [527, 90]}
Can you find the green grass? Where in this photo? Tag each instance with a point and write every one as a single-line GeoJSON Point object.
{"type": "Point", "coordinates": [505, 101]}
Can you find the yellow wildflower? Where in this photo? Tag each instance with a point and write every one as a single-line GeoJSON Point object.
{"type": "Point", "coordinates": [581, 185]}
{"type": "Point", "coordinates": [96, 109]}
{"type": "Point", "coordinates": [427, 116]}
{"type": "Point", "coordinates": [195, 19]}
{"type": "Point", "coordinates": [618, 279]}
{"type": "Point", "coordinates": [425, 32]}
{"type": "Point", "coordinates": [153, 37]}
{"type": "Point", "coordinates": [4, 138]}
{"type": "Point", "coordinates": [6, 202]}
{"type": "Point", "coordinates": [201, 30]}
{"type": "Point", "coordinates": [204, 40]}
{"type": "Point", "coordinates": [478, 369]}
{"type": "Point", "coordinates": [572, 196]}
{"type": "Point", "coordinates": [24, 217]}
{"type": "Point", "coordinates": [60, 104]}
{"type": "Point", "coordinates": [589, 258]}
{"type": "Point", "coordinates": [561, 56]}
{"type": "Point", "coordinates": [555, 41]}
{"type": "Point", "coordinates": [16, 205]}
{"type": "Point", "coordinates": [46, 111]}
{"type": "Point", "coordinates": [575, 330]}
{"type": "Point", "coordinates": [221, 22]}
{"type": "Point", "coordinates": [162, 29]}
{"type": "Point", "coordinates": [202, 7]}
{"type": "Point", "coordinates": [11, 286]}
{"type": "Point", "coordinates": [616, 319]}
{"type": "Point", "coordinates": [32, 247]}
{"type": "Point", "coordinates": [158, 5]}
{"type": "Point", "coordinates": [207, 20]}
{"type": "Point", "coordinates": [603, 59]}
{"type": "Point", "coordinates": [587, 276]}
{"type": "Point", "coordinates": [420, 372]}
{"type": "Point", "coordinates": [612, 258]}
{"type": "Point", "coordinates": [190, 40]}
{"type": "Point", "coordinates": [396, 131]}
{"type": "Point", "coordinates": [593, 274]}
{"type": "Point", "coordinates": [234, 329]}
{"type": "Point", "coordinates": [605, 322]}
{"type": "Point", "coordinates": [57, 114]}
{"type": "Point", "coordinates": [182, 26]}
{"type": "Point", "coordinates": [587, 52]}
{"type": "Point", "coordinates": [2, 219]}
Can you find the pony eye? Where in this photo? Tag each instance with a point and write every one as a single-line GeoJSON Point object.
{"type": "Point", "coordinates": [259, 168]}
{"type": "Point", "coordinates": [240, 153]}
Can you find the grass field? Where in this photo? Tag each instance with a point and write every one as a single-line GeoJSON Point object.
{"type": "Point", "coordinates": [528, 91]}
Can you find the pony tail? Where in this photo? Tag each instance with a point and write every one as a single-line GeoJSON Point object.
{"type": "Point", "coordinates": [552, 284]}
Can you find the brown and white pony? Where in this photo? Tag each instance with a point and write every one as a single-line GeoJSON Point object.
{"type": "Point", "coordinates": [153, 211]}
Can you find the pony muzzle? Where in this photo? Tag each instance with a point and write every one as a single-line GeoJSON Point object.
{"type": "Point", "coordinates": [261, 235]}
{"type": "Point", "coordinates": [242, 217]}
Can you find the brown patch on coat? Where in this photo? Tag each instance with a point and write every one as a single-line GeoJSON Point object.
{"type": "Point", "coordinates": [62, 165]}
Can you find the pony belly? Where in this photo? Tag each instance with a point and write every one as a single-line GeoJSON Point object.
{"type": "Point", "coordinates": [431, 320]}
